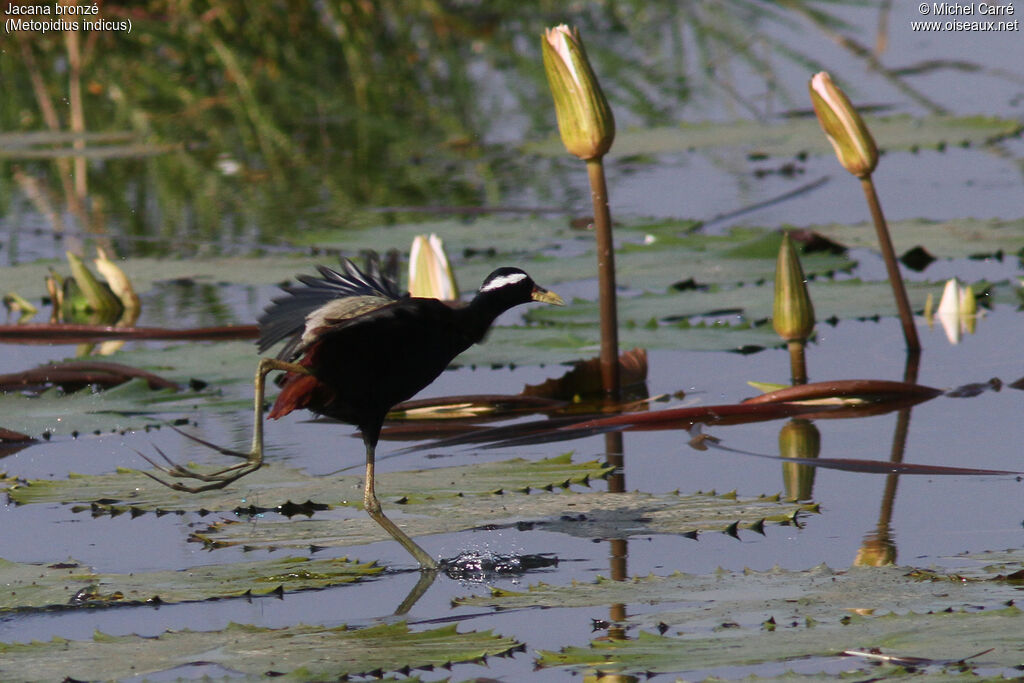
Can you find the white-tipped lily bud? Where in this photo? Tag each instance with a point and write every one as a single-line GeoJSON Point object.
{"type": "Point", "coordinates": [430, 273]}
{"type": "Point", "coordinates": [843, 126]}
{"type": "Point", "coordinates": [585, 120]}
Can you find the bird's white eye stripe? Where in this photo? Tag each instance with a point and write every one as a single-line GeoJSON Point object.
{"type": "Point", "coordinates": [503, 280]}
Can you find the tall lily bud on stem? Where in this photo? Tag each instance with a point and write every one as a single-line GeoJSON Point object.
{"type": "Point", "coordinates": [792, 312]}
{"type": "Point", "coordinates": [856, 150]}
{"type": "Point", "coordinates": [587, 127]}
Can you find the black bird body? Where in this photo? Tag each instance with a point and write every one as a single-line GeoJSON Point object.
{"type": "Point", "coordinates": [368, 347]}
{"type": "Point", "coordinates": [363, 365]}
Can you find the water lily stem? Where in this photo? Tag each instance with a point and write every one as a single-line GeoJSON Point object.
{"type": "Point", "coordinates": [606, 279]}
{"type": "Point", "coordinates": [892, 268]}
{"type": "Point", "coordinates": [797, 364]}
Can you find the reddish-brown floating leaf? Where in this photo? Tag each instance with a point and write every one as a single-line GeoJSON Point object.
{"type": "Point", "coordinates": [578, 427]}
{"type": "Point", "coordinates": [867, 389]}
{"type": "Point", "coordinates": [74, 375]}
{"type": "Point", "coordinates": [684, 418]}
{"type": "Point", "coordinates": [11, 436]}
{"type": "Point", "coordinates": [67, 333]}
{"type": "Point", "coordinates": [585, 377]}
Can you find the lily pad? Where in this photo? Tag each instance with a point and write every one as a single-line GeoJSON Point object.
{"type": "Point", "coordinates": [994, 633]}
{"type": "Point", "coordinates": [734, 619]}
{"type": "Point", "coordinates": [590, 514]}
{"type": "Point", "coordinates": [277, 487]}
{"type": "Point", "coordinates": [295, 653]}
{"type": "Point", "coordinates": [943, 239]}
{"type": "Point", "coordinates": [833, 299]}
{"type": "Point", "coordinates": [68, 584]}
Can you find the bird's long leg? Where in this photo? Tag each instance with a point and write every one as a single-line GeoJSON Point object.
{"type": "Point", "coordinates": [372, 506]}
{"type": "Point", "coordinates": [253, 459]}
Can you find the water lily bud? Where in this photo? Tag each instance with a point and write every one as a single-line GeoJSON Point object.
{"type": "Point", "coordinates": [98, 296]}
{"type": "Point", "coordinates": [430, 273]}
{"type": "Point", "coordinates": [585, 120]}
{"type": "Point", "coordinates": [119, 283]}
{"type": "Point", "coordinates": [793, 312]}
{"type": "Point", "coordinates": [843, 126]}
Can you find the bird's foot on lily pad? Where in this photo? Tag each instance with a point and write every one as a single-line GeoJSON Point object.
{"type": "Point", "coordinates": [209, 480]}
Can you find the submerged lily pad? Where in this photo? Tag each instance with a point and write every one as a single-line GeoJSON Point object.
{"type": "Point", "coordinates": [295, 653]}
{"type": "Point", "coordinates": [68, 584]}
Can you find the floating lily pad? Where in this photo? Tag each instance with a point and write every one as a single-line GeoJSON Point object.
{"type": "Point", "coordinates": [957, 238]}
{"type": "Point", "coordinates": [733, 619]}
{"type": "Point", "coordinates": [275, 487]}
{"type": "Point", "coordinates": [939, 636]}
{"type": "Point", "coordinates": [589, 514]}
{"type": "Point", "coordinates": [68, 584]}
{"type": "Point", "coordinates": [838, 299]}
{"type": "Point", "coordinates": [295, 653]}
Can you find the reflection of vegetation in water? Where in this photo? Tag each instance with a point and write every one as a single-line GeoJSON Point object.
{"type": "Point", "coordinates": [282, 113]}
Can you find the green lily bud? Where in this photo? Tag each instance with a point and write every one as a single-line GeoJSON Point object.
{"type": "Point", "coordinates": [792, 312]}
{"type": "Point", "coordinates": [98, 296]}
{"type": "Point", "coordinates": [18, 304]}
{"type": "Point", "coordinates": [430, 273]}
{"type": "Point", "coordinates": [585, 120]}
{"type": "Point", "coordinates": [843, 126]}
{"type": "Point", "coordinates": [116, 279]}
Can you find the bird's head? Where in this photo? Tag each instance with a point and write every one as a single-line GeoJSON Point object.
{"type": "Point", "coordinates": [512, 286]}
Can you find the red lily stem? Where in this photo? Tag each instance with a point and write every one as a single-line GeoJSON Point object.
{"type": "Point", "coordinates": [606, 280]}
{"type": "Point", "coordinates": [892, 268]}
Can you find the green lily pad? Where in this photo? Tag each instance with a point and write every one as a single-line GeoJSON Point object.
{"type": "Point", "coordinates": [838, 299]}
{"type": "Point", "coordinates": [68, 584]}
{"type": "Point", "coordinates": [943, 239]}
{"type": "Point", "coordinates": [650, 256]}
{"type": "Point", "coordinates": [277, 487]}
{"type": "Point", "coordinates": [938, 636]}
{"type": "Point", "coordinates": [295, 653]}
{"type": "Point", "coordinates": [564, 343]}
{"type": "Point", "coordinates": [734, 619]}
{"type": "Point", "coordinates": [132, 405]}
{"type": "Point", "coordinates": [589, 514]}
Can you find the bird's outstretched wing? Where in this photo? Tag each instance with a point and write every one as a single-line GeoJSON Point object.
{"type": "Point", "coordinates": [286, 316]}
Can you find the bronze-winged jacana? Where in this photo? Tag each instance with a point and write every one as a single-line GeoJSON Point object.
{"type": "Point", "coordinates": [356, 347]}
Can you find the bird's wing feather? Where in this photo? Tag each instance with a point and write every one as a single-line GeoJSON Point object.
{"type": "Point", "coordinates": [286, 316]}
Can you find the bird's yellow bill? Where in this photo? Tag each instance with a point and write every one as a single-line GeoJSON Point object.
{"type": "Point", "coordinates": [546, 296]}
